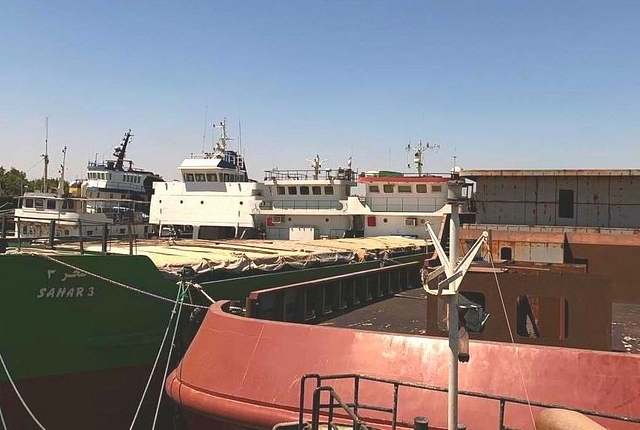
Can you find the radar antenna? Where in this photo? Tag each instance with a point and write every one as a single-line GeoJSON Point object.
{"type": "Point", "coordinates": [418, 153]}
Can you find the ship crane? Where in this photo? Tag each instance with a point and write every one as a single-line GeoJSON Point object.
{"type": "Point", "coordinates": [419, 152]}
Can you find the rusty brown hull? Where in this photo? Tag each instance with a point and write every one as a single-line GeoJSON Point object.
{"type": "Point", "coordinates": [245, 373]}
{"type": "Point", "coordinates": [98, 400]}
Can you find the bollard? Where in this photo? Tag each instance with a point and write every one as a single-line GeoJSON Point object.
{"type": "Point", "coordinates": [420, 423]}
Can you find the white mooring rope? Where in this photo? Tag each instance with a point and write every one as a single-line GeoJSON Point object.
{"type": "Point", "coordinates": [179, 298]}
{"type": "Point", "coordinates": [166, 368]}
{"type": "Point", "coordinates": [24, 404]}
{"type": "Point", "coordinates": [504, 309]}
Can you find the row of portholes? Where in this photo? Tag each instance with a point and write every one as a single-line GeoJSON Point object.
{"type": "Point", "coordinates": [325, 220]}
{"type": "Point", "coordinates": [201, 202]}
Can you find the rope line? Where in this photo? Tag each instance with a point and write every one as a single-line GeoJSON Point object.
{"type": "Point", "coordinates": [504, 309]}
{"type": "Point", "coordinates": [155, 363]}
{"type": "Point", "coordinates": [4, 424]}
{"type": "Point", "coordinates": [111, 281]}
{"type": "Point", "coordinates": [24, 404]}
{"type": "Point", "coordinates": [198, 287]}
{"type": "Point", "coordinates": [183, 290]}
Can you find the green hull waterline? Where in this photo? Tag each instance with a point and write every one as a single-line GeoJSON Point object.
{"type": "Point", "coordinates": [56, 321]}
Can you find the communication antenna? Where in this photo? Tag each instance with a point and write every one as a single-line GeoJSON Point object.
{"type": "Point", "coordinates": [239, 137]}
{"type": "Point", "coordinates": [204, 133]}
{"type": "Point", "coordinates": [419, 152]}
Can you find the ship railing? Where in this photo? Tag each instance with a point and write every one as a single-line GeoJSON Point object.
{"type": "Point", "coordinates": [309, 174]}
{"type": "Point", "coordinates": [405, 204]}
{"type": "Point", "coordinates": [356, 405]}
{"type": "Point", "coordinates": [283, 233]}
{"type": "Point", "coordinates": [47, 235]}
{"type": "Point", "coordinates": [301, 204]}
{"type": "Point", "coordinates": [334, 402]}
{"type": "Point", "coordinates": [316, 300]}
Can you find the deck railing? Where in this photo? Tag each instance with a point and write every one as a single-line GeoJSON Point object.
{"type": "Point", "coordinates": [356, 405]}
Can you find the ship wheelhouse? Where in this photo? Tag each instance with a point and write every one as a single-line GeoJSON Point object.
{"type": "Point", "coordinates": [396, 192]}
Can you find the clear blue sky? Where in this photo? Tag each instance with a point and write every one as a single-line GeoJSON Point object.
{"type": "Point", "coordinates": [501, 84]}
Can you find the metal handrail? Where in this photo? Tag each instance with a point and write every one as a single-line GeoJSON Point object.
{"type": "Point", "coordinates": [503, 400]}
{"type": "Point", "coordinates": [357, 423]}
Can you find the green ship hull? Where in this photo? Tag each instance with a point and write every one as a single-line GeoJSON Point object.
{"type": "Point", "coordinates": [79, 334]}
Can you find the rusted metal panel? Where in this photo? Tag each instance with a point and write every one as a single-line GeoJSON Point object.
{"type": "Point", "coordinates": [598, 200]}
{"type": "Point", "coordinates": [471, 174]}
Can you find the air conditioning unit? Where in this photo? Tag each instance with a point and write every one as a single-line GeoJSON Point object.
{"type": "Point", "coordinates": [278, 219]}
{"type": "Point", "coordinates": [410, 222]}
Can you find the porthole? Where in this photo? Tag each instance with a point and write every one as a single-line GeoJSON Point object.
{"type": "Point", "coordinates": [385, 220]}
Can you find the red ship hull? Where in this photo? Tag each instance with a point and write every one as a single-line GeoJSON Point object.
{"type": "Point", "coordinates": [245, 373]}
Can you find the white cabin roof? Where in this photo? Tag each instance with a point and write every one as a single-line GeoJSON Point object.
{"type": "Point", "coordinates": [200, 163]}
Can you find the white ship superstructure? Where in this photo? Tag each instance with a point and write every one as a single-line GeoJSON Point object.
{"type": "Point", "coordinates": [216, 200]}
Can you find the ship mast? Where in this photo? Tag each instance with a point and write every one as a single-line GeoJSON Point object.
{"type": "Point", "coordinates": [45, 156]}
{"type": "Point", "coordinates": [221, 146]}
{"type": "Point", "coordinates": [454, 269]}
{"type": "Point", "coordinates": [62, 166]}
{"type": "Point", "coordinates": [419, 152]}
{"type": "Point", "coordinates": [121, 150]}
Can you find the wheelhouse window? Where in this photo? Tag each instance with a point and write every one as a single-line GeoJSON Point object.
{"type": "Point", "coordinates": [39, 203]}
{"type": "Point", "coordinates": [200, 177]}
{"type": "Point", "coordinates": [212, 177]}
{"type": "Point", "coordinates": [565, 203]}
{"type": "Point", "coordinates": [27, 203]}
{"type": "Point", "coordinates": [316, 190]}
{"type": "Point", "coordinates": [292, 191]}
{"type": "Point", "coordinates": [51, 204]}
{"type": "Point", "coordinates": [304, 190]}
{"type": "Point", "coordinates": [328, 190]}
{"type": "Point", "coordinates": [404, 188]}
{"type": "Point", "coordinates": [506, 253]}
{"type": "Point", "coordinates": [374, 189]}
{"type": "Point", "coordinates": [281, 191]}
{"type": "Point", "coordinates": [388, 188]}
{"type": "Point", "coordinates": [436, 188]}
{"type": "Point", "coordinates": [421, 188]}
{"type": "Point", "coordinates": [188, 177]}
